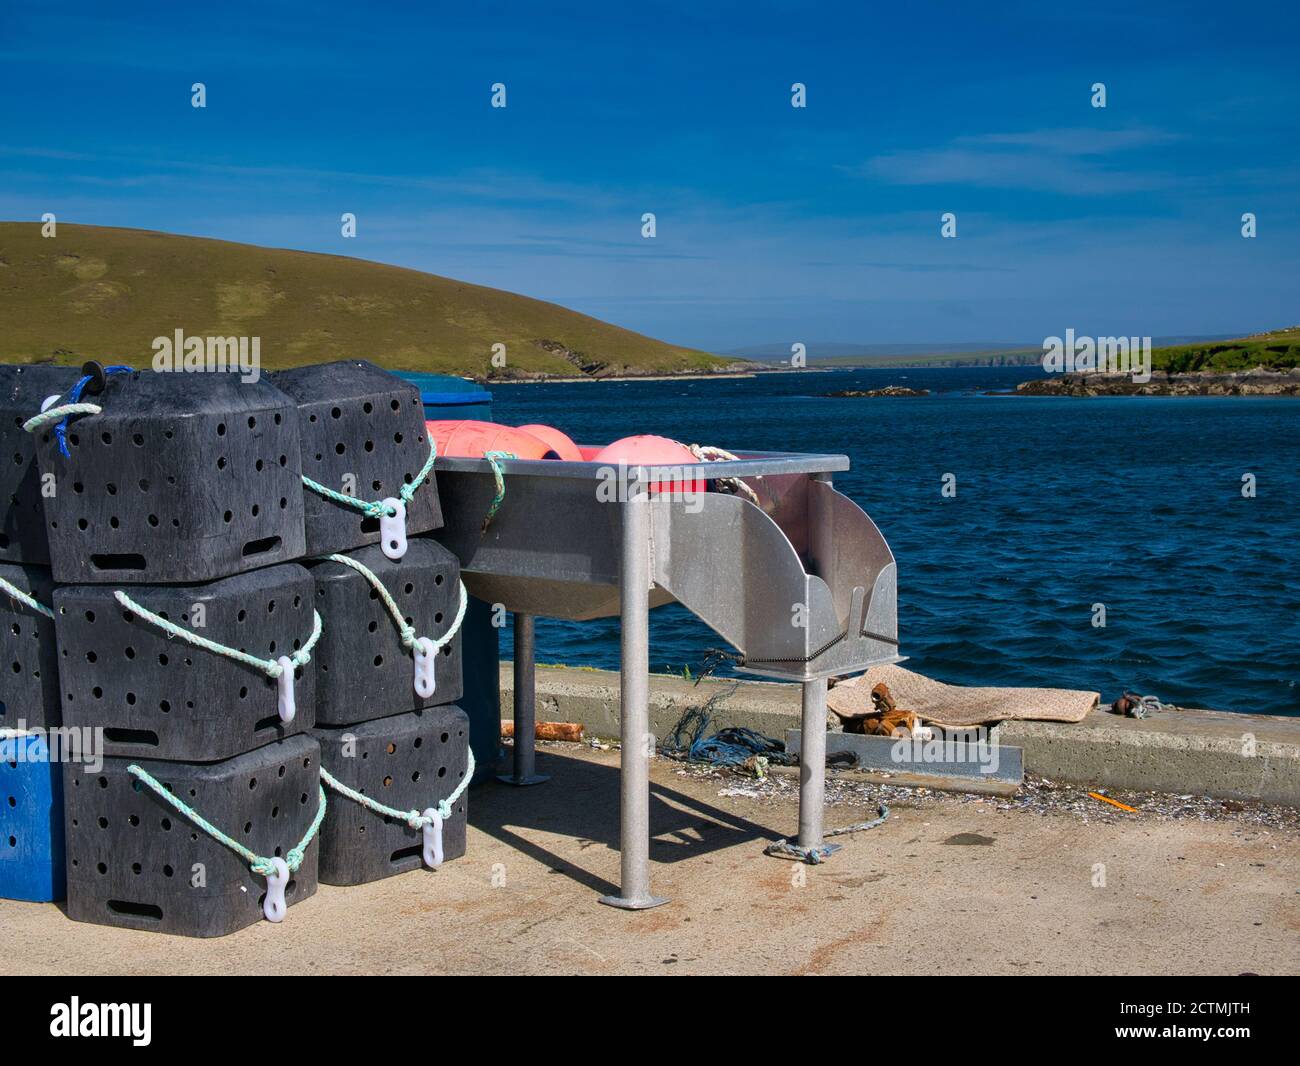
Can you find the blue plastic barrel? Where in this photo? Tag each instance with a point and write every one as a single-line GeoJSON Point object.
{"type": "Point", "coordinates": [451, 397]}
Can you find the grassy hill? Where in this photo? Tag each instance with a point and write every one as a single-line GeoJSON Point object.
{"type": "Point", "coordinates": [97, 292]}
{"type": "Point", "coordinates": [1279, 349]}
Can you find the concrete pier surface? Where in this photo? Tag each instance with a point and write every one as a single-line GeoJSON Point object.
{"type": "Point", "coordinates": [949, 884]}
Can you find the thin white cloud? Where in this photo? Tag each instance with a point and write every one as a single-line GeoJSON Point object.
{"type": "Point", "coordinates": [1076, 141]}
{"type": "Point", "coordinates": [1073, 162]}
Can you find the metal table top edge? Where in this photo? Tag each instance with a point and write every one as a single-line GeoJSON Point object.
{"type": "Point", "coordinates": [750, 464]}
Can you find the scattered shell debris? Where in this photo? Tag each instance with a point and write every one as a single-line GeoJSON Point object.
{"type": "Point", "coordinates": [1037, 795]}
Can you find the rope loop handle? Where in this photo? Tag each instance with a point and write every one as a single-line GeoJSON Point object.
{"type": "Point", "coordinates": [409, 636]}
{"type": "Point", "coordinates": [272, 668]}
{"type": "Point", "coordinates": [378, 508]}
{"type": "Point", "coordinates": [60, 413]}
{"type": "Point", "coordinates": [274, 869]}
{"type": "Point", "coordinates": [413, 818]}
{"type": "Point", "coordinates": [422, 649]}
{"type": "Point", "coordinates": [25, 598]}
{"type": "Point", "coordinates": [407, 631]}
{"type": "Point", "coordinates": [279, 670]}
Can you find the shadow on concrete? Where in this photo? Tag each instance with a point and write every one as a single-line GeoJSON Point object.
{"type": "Point", "coordinates": [582, 801]}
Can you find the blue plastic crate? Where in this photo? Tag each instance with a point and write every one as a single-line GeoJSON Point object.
{"type": "Point", "coordinates": [31, 820]}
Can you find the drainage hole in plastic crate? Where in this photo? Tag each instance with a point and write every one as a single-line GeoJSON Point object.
{"type": "Point", "coordinates": [135, 910]}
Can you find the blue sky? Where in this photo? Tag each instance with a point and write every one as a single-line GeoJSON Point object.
{"type": "Point", "coordinates": [774, 224]}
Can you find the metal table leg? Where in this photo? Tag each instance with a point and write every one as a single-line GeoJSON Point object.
{"type": "Point", "coordinates": [525, 754]}
{"type": "Point", "coordinates": [634, 710]}
{"type": "Point", "coordinates": [812, 753]}
{"type": "Point", "coordinates": [812, 767]}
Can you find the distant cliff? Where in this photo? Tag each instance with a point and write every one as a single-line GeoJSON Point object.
{"type": "Point", "coordinates": [1259, 381]}
{"type": "Point", "coordinates": [1264, 364]}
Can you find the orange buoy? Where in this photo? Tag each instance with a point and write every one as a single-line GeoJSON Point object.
{"type": "Point", "coordinates": [467, 439]}
{"type": "Point", "coordinates": [649, 450]}
{"type": "Point", "coordinates": [561, 444]}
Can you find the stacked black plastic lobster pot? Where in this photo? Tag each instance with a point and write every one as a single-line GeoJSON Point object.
{"type": "Point", "coordinates": [227, 563]}
{"type": "Point", "coordinates": [388, 667]}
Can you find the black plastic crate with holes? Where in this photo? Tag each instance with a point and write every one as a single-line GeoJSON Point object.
{"type": "Point", "coordinates": [157, 696]}
{"type": "Point", "coordinates": [134, 861]}
{"type": "Point", "coordinates": [29, 658]}
{"type": "Point", "coordinates": [363, 669]}
{"type": "Point", "coordinates": [407, 762]}
{"type": "Point", "coordinates": [22, 391]}
{"type": "Point", "coordinates": [363, 435]}
{"type": "Point", "coordinates": [180, 478]}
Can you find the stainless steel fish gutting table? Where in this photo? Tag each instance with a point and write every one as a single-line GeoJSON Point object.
{"type": "Point", "coordinates": [801, 583]}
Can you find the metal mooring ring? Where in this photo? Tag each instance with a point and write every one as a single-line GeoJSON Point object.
{"type": "Point", "coordinates": [98, 379]}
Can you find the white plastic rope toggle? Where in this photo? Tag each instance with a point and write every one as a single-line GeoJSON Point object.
{"type": "Point", "coordinates": [276, 882]}
{"type": "Point", "coordinates": [392, 528]}
{"type": "Point", "coordinates": [426, 659]}
{"type": "Point", "coordinates": [288, 708]}
{"type": "Point", "coordinates": [432, 838]}
{"type": "Point", "coordinates": [50, 401]}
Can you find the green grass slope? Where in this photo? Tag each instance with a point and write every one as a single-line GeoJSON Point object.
{"type": "Point", "coordinates": [1279, 350]}
{"type": "Point", "coordinates": [103, 293]}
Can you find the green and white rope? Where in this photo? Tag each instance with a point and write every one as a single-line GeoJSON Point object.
{"type": "Point", "coordinates": [413, 818]}
{"type": "Point", "coordinates": [57, 414]}
{"type": "Point", "coordinates": [408, 634]}
{"type": "Point", "coordinates": [259, 864]}
{"type": "Point", "coordinates": [377, 508]}
{"type": "Point", "coordinates": [270, 667]}
{"type": "Point", "coordinates": [494, 460]}
{"type": "Point", "coordinates": [25, 598]}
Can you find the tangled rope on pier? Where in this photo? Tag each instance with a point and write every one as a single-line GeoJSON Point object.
{"type": "Point", "coordinates": [733, 746]}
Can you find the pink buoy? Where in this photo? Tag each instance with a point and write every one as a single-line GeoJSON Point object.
{"type": "Point", "coordinates": [560, 443]}
{"type": "Point", "coordinates": [649, 450]}
{"type": "Point", "coordinates": [468, 439]}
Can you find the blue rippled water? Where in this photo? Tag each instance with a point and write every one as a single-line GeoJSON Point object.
{"type": "Point", "coordinates": [1061, 504]}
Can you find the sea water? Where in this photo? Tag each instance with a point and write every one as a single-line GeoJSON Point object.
{"type": "Point", "coordinates": [1062, 514]}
